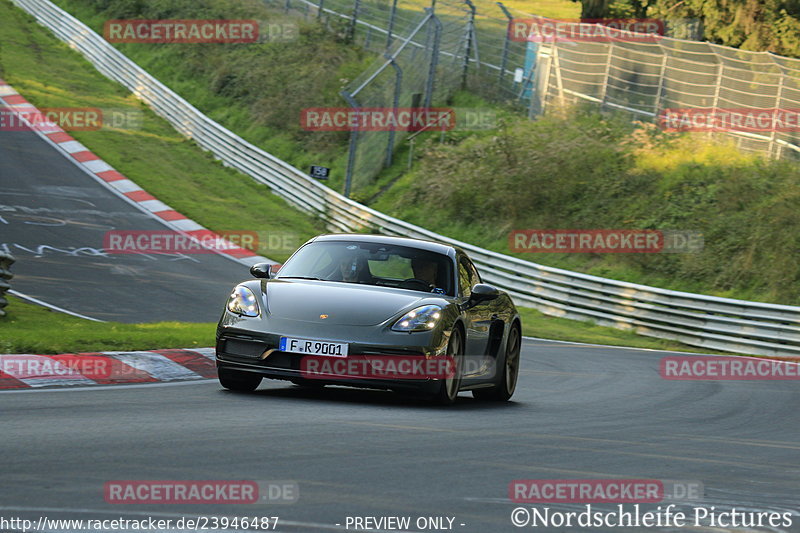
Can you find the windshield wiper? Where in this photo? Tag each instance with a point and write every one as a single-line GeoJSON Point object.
{"type": "Point", "coordinates": [301, 277]}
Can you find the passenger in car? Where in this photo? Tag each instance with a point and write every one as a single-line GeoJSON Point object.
{"type": "Point", "coordinates": [353, 269]}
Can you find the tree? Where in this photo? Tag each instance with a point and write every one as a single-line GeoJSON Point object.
{"type": "Point", "coordinates": [757, 25]}
{"type": "Point", "coordinates": [599, 9]}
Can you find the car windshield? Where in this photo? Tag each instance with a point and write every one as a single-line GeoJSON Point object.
{"type": "Point", "coordinates": [372, 263]}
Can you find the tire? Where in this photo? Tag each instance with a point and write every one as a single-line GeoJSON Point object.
{"type": "Point", "coordinates": [238, 381]}
{"type": "Point", "coordinates": [504, 390]}
{"type": "Point", "coordinates": [448, 388]}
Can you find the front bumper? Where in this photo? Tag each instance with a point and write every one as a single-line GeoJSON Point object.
{"type": "Point", "coordinates": [249, 351]}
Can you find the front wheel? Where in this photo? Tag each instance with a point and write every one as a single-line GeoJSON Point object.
{"type": "Point", "coordinates": [238, 381]}
{"type": "Point", "coordinates": [505, 388]}
{"type": "Point", "coordinates": [449, 387]}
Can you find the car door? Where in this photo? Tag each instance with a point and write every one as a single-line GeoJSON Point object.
{"type": "Point", "coordinates": [477, 315]}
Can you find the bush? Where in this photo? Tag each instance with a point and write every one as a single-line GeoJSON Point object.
{"type": "Point", "coordinates": [582, 170]}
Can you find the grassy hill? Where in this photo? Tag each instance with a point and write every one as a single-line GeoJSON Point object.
{"type": "Point", "coordinates": [576, 169]}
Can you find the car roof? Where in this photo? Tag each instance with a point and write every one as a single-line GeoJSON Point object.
{"type": "Point", "coordinates": [431, 246]}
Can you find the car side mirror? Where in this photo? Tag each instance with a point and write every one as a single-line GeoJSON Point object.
{"type": "Point", "coordinates": [261, 270]}
{"type": "Point", "coordinates": [483, 291]}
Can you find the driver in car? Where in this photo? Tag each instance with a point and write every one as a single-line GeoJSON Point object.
{"type": "Point", "coordinates": [426, 271]}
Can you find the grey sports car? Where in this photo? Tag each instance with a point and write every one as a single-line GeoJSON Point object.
{"type": "Point", "coordinates": [372, 311]}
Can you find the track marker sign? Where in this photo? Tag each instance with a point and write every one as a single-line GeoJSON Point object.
{"type": "Point", "coordinates": [320, 173]}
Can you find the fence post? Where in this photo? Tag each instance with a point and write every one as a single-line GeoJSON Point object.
{"type": "Point", "coordinates": [506, 42]}
{"type": "Point", "coordinates": [351, 31]}
{"type": "Point", "coordinates": [392, 15]}
{"type": "Point", "coordinates": [437, 35]}
{"type": "Point", "coordinates": [715, 103]}
{"type": "Point", "coordinates": [351, 156]}
{"type": "Point", "coordinates": [287, 6]}
{"type": "Point", "coordinates": [541, 87]}
{"type": "Point", "coordinates": [774, 133]}
{"type": "Point", "coordinates": [470, 37]}
{"type": "Point", "coordinates": [661, 78]}
{"type": "Point", "coordinates": [606, 72]}
{"type": "Point", "coordinates": [559, 81]}
{"type": "Point", "coordinates": [398, 82]}
{"type": "Point", "coordinates": [320, 9]}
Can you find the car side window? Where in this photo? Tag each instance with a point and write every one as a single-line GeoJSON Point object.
{"type": "Point", "coordinates": [475, 277]}
{"type": "Point", "coordinates": [465, 280]}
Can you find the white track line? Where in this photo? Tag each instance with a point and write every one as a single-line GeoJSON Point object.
{"type": "Point", "coordinates": [51, 306]}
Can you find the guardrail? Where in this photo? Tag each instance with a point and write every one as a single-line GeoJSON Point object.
{"type": "Point", "coordinates": [6, 261]}
{"type": "Point", "coordinates": [711, 322]}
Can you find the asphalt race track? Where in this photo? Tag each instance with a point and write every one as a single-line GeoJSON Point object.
{"type": "Point", "coordinates": [53, 217]}
{"type": "Point", "coordinates": [579, 412]}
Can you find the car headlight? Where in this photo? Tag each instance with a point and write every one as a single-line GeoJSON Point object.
{"type": "Point", "coordinates": [243, 302]}
{"type": "Point", "coordinates": [422, 318]}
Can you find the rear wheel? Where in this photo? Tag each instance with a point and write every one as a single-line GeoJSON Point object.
{"type": "Point", "coordinates": [238, 381]}
{"type": "Point", "coordinates": [510, 372]}
{"type": "Point", "coordinates": [448, 387]}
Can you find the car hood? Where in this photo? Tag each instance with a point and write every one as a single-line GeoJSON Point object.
{"type": "Point", "coordinates": [344, 304]}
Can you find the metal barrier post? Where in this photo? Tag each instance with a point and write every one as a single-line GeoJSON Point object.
{"type": "Point", "coordinates": [398, 83]}
{"type": "Point", "coordinates": [437, 35]}
{"type": "Point", "coordinates": [506, 41]}
{"type": "Point", "coordinates": [774, 133]}
{"type": "Point", "coordinates": [559, 81]}
{"type": "Point", "coordinates": [392, 15]}
{"type": "Point", "coordinates": [661, 78]}
{"type": "Point", "coordinates": [351, 31]}
{"type": "Point", "coordinates": [351, 156]}
{"type": "Point", "coordinates": [606, 72]}
{"type": "Point", "coordinates": [717, 88]}
{"type": "Point", "coordinates": [470, 37]}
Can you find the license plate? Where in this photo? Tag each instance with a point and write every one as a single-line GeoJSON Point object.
{"type": "Point", "coordinates": [313, 347]}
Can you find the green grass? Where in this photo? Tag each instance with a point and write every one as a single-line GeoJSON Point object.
{"type": "Point", "coordinates": [153, 155]}
{"type": "Point", "coordinates": [29, 328]}
{"type": "Point", "coordinates": [584, 170]}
